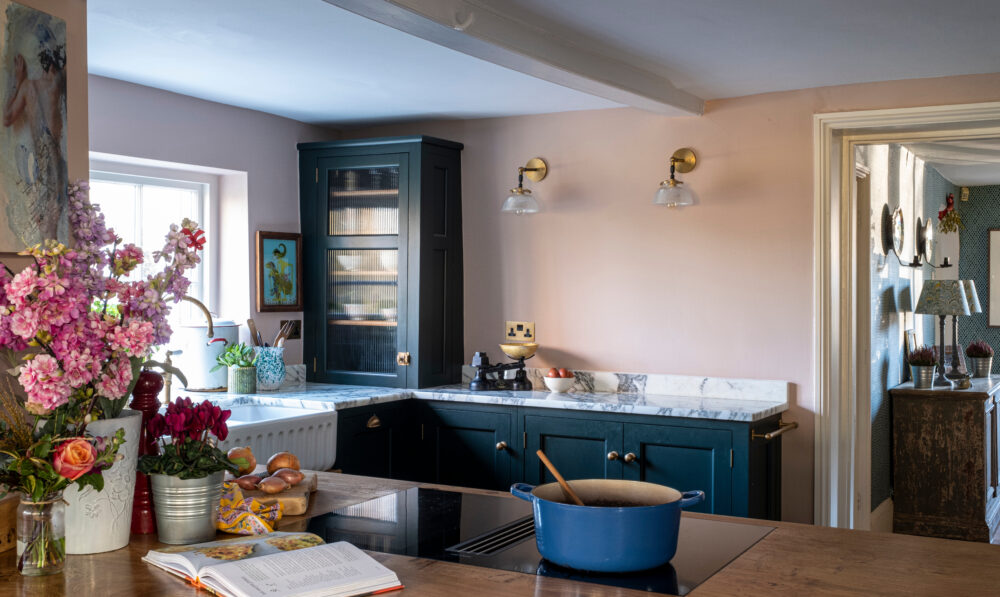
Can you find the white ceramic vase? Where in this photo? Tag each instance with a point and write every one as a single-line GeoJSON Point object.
{"type": "Point", "coordinates": [99, 521]}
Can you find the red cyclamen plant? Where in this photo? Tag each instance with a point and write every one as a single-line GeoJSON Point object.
{"type": "Point", "coordinates": [190, 453]}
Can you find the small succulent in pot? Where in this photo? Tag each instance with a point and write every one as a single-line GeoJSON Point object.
{"type": "Point", "coordinates": [979, 350]}
{"type": "Point", "coordinates": [236, 355]}
{"type": "Point", "coordinates": [924, 356]}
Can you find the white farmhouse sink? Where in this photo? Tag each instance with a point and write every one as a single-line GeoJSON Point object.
{"type": "Point", "coordinates": [310, 434]}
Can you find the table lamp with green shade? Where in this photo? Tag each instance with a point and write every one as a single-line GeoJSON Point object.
{"type": "Point", "coordinates": [943, 298]}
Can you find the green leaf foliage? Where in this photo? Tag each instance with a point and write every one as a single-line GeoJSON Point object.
{"type": "Point", "coordinates": [236, 355]}
{"type": "Point", "coordinates": [191, 459]}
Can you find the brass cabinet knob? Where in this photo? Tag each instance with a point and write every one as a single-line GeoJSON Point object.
{"type": "Point", "coordinates": [501, 446]}
{"type": "Point", "coordinates": [374, 422]}
{"type": "Point", "coordinates": [630, 458]}
{"type": "Point", "coordinates": [612, 455]}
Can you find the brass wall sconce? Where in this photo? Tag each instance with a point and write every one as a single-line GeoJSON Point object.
{"type": "Point", "coordinates": [521, 201]}
{"type": "Point", "coordinates": [671, 193]}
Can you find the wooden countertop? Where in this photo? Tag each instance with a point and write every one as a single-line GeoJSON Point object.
{"type": "Point", "coordinates": [794, 559]}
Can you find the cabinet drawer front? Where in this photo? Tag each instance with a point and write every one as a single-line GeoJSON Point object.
{"type": "Point", "coordinates": [684, 458]}
{"type": "Point", "coordinates": [578, 447]}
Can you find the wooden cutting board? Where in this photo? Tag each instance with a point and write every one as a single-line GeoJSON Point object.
{"type": "Point", "coordinates": [295, 499]}
{"type": "Point", "coordinates": [8, 520]}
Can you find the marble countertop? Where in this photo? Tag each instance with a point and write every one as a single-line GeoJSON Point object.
{"type": "Point", "coordinates": [338, 397]}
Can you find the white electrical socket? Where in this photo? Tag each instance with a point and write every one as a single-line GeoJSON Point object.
{"type": "Point", "coordinates": [520, 331]}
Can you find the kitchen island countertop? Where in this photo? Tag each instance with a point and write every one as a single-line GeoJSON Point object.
{"type": "Point", "coordinates": [794, 559]}
{"type": "Point", "coordinates": [339, 397]}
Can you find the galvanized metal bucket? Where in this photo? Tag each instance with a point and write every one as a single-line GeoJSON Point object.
{"type": "Point", "coordinates": [923, 376]}
{"type": "Point", "coordinates": [186, 509]}
{"type": "Point", "coordinates": [981, 366]}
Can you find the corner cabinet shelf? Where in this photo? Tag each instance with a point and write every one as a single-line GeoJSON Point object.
{"type": "Point", "coordinates": [382, 238]}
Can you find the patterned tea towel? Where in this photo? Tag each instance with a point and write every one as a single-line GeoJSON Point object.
{"type": "Point", "coordinates": [245, 516]}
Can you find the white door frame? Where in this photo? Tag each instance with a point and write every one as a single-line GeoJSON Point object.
{"type": "Point", "coordinates": [842, 483]}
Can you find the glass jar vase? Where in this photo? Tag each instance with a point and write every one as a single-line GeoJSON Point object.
{"type": "Point", "coordinates": [41, 535]}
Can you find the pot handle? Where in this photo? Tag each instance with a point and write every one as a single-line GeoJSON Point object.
{"type": "Point", "coordinates": [523, 491]}
{"type": "Point", "coordinates": [691, 498]}
{"type": "Point", "coordinates": [214, 340]}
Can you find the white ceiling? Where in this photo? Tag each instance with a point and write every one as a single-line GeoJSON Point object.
{"type": "Point", "coordinates": [967, 163]}
{"type": "Point", "coordinates": [306, 60]}
{"type": "Point", "coordinates": [314, 62]}
{"type": "Point", "coordinates": [729, 48]}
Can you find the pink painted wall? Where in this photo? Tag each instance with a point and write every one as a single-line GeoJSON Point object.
{"type": "Point", "coordinates": [724, 288]}
{"type": "Point", "coordinates": [137, 121]}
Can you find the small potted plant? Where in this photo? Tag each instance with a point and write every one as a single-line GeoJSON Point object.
{"type": "Point", "coordinates": [241, 361]}
{"type": "Point", "coordinates": [922, 362]}
{"type": "Point", "coordinates": [188, 470]}
{"type": "Point", "coordinates": [981, 356]}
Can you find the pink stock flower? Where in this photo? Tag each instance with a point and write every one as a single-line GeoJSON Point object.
{"type": "Point", "coordinates": [116, 379]}
{"type": "Point", "coordinates": [134, 339]}
{"type": "Point", "coordinates": [44, 384]}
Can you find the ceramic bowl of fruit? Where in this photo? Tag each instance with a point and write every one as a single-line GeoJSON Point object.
{"type": "Point", "coordinates": [559, 380]}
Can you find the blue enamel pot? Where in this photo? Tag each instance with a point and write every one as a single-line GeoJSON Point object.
{"type": "Point", "coordinates": [627, 525]}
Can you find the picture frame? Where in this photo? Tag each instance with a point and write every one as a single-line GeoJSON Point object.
{"type": "Point", "coordinates": [279, 271]}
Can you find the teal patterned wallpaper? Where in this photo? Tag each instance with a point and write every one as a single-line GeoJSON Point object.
{"type": "Point", "coordinates": [892, 303]}
{"type": "Point", "coordinates": [980, 213]}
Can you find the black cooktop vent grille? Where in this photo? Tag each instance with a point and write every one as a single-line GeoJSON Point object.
{"type": "Point", "coordinates": [498, 539]}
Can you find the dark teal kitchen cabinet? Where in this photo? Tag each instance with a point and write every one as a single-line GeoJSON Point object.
{"type": "Point", "coordinates": [684, 458]}
{"type": "Point", "coordinates": [467, 445]}
{"type": "Point", "coordinates": [382, 261]}
{"type": "Point", "coordinates": [491, 446]}
{"type": "Point", "coordinates": [581, 448]}
{"type": "Point", "coordinates": [377, 441]}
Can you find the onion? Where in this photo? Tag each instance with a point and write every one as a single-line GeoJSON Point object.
{"type": "Point", "coordinates": [290, 475]}
{"type": "Point", "coordinates": [272, 485]}
{"type": "Point", "coordinates": [247, 455]}
{"type": "Point", "coordinates": [282, 460]}
{"type": "Point", "coordinates": [248, 481]}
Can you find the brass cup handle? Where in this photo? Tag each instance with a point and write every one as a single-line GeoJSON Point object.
{"type": "Point", "coordinates": [630, 458]}
{"type": "Point", "coordinates": [374, 422]}
{"type": "Point", "coordinates": [612, 455]}
{"type": "Point", "coordinates": [501, 446]}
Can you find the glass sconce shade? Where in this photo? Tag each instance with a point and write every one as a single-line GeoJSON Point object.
{"type": "Point", "coordinates": [520, 202]}
{"type": "Point", "coordinates": [672, 194]}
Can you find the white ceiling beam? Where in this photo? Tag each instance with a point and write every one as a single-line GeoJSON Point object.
{"type": "Point", "coordinates": [527, 47]}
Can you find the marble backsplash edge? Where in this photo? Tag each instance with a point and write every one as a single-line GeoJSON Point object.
{"type": "Point", "coordinates": [661, 384]}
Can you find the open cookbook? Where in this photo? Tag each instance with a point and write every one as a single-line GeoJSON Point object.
{"type": "Point", "coordinates": [278, 563]}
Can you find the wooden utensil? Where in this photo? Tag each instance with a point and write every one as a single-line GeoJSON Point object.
{"type": "Point", "coordinates": [279, 339]}
{"type": "Point", "coordinates": [562, 482]}
{"type": "Point", "coordinates": [254, 334]}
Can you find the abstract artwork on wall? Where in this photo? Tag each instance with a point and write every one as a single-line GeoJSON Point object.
{"type": "Point", "coordinates": [33, 170]}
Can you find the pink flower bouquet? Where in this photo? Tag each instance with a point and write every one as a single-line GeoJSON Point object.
{"type": "Point", "coordinates": [91, 330]}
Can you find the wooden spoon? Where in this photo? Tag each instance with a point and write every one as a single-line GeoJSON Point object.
{"type": "Point", "coordinates": [562, 482]}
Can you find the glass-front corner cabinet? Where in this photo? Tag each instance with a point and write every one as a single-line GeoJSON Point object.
{"type": "Point", "coordinates": [382, 236]}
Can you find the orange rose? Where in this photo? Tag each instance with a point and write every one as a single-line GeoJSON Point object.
{"type": "Point", "coordinates": [74, 458]}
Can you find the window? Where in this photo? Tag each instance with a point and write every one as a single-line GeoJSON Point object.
{"type": "Point", "coordinates": [141, 209]}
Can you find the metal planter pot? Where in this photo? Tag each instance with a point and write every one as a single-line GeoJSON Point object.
{"type": "Point", "coordinates": [607, 538]}
{"type": "Point", "coordinates": [923, 376]}
{"type": "Point", "coordinates": [186, 509]}
{"type": "Point", "coordinates": [981, 366]}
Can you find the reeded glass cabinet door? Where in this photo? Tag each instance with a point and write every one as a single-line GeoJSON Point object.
{"type": "Point", "coordinates": [364, 218]}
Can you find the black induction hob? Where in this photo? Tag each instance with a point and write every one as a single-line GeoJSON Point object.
{"type": "Point", "coordinates": [461, 527]}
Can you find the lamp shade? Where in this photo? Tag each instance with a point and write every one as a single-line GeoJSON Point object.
{"type": "Point", "coordinates": [943, 297]}
{"type": "Point", "coordinates": [672, 195]}
{"type": "Point", "coordinates": [972, 296]}
{"type": "Point", "coordinates": [520, 202]}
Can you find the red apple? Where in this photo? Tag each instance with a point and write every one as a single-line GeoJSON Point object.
{"type": "Point", "coordinates": [563, 372]}
{"type": "Point", "coordinates": [553, 372]}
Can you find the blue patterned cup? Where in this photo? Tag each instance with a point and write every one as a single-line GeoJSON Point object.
{"type": "Point", "coordinates": [270, 367]}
